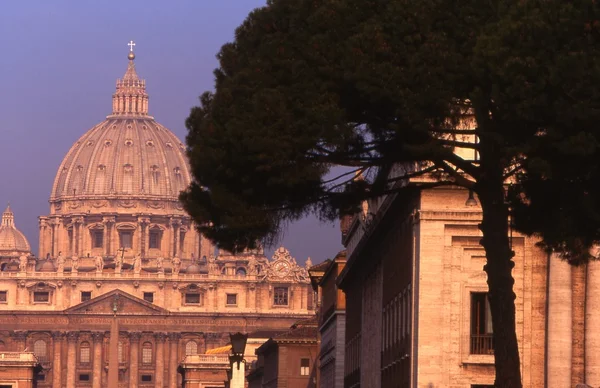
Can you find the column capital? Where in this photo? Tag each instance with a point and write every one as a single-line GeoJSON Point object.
{"type": "Point", "coordinates": [143, 220]}
{"type": "Point", "coordinates": [160, 337]}
{"type": "Point", "coordinates": [97, 336]}
{"type": "Point", "coordinates": [20, 334]}
{"type": "Point", "coordinates": [135, 336]}
{"type": "Point", "coordinates": [174, 336]}
{"type": "Point", "coordinates": [72, 336]}
{"type": "Point", "coordinates": [77, 220]}
{"type": "Point", "coordinates": [57, 335]}
{"type": "Point", "coordinates": [108, 220]}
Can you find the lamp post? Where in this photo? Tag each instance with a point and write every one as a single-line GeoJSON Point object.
{"type": "Point", "coordinates": [238, 347]}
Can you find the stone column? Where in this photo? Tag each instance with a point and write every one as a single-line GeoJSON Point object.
{"type": "Point", "coordinates": [72, 338]}
{"type": "Point", "coordinates": [592, 325]}
{"type": "Point", "coordinates": [43, 225]}
{"type": "Point", "coordinates": [53, 234]}
{"type": "Point", "coordinates": [173, 356]}
{"type": "Point", "coordinates": [559, 336]}
{"type": "Point", "coordinates": [97, 373]}
{"type": "Point", "coordinates": [160, 360]}
{"type": "Point", "coordinates": [176, 225]}
{"type": "Point", "coordinates": [134, 351]}
{"type": "Point", "coordinates": [57, 338]}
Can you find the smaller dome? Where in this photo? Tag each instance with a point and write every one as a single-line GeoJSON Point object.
{"type": "Point", "coordinates": [12, 241]}
{"type": "Point", "coordinates": [46, 266]}
{"type": "Point", "coordinates": [194, 269]}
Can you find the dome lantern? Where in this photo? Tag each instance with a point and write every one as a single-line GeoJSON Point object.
{"type": "Point", "coordinates": [130, 98]}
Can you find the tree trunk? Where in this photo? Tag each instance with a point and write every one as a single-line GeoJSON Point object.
{"type": "Point", "coordinates": [499, 267]}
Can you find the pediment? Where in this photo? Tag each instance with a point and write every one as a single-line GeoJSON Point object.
{"type": "Point", "coordinates": [127, 304]}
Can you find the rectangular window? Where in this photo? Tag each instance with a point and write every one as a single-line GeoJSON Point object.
{"type": "Point", "coordinates": [97, 238]}
{"type": "Point", "coordinates": [39, 377]}
{"type": "Point", "coordinates": [126, 238]}
{"type": "Point", "coordinates": [86, 295]}
{"type": "Point", "coordinates": [481, 324]}
{"type": "Point", "coordinates": [41, 296]}
{"type": "Point", "coordinates": [147, 378]}
{"type": "Point", "coordinates": [154, 239]}
{"type": "Point", "coordinates": [84, 377]}
{"type": "Point", "coordinates": [231, 299]}
{"type": "Point", "coordinates": [192, 298]}
{"type": "Point", "coordinates": [149, 297]}
{"type": "Point", "coordinates": [304, 367]}
{"type": "Point", "coordinates": [3, 296]}
{"type": "Point", "coordinates": [280, 296]}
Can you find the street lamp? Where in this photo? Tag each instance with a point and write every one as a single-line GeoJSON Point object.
{"type": "Point", "coordinates": [238, 347]}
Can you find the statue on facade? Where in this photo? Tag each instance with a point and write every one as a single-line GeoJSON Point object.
{"type": "Point", "coordinates": [60, 262]}
{"type": "Point", "coordinates": [308, 264]}
{"type": "Point", "coordinates": [137, 263]}
{"type": "Point", "coordinates": [99, 261]}
{"type": "Point", "coordinates": [252, 266]}
{"type": "Point", "coordinates": [213, 267]}
{"type": "Point", "coordinates": [23, 263]}
{"type": "Point", "coordinates": [74, 263]}
{"type": "Point", "coordinates": [176, 265]}
{"type": "Point", "coordinates": [118, 263]}
{"type": "Point", "coordinates": [159, 264]}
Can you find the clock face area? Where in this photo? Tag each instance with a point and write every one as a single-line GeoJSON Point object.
{"type": "Point", "coordinates": [281, 268]}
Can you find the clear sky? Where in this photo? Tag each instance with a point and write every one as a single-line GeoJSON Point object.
{"type": "Point", "coordinates": [59, 61]}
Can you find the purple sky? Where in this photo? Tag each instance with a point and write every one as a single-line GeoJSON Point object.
{"type": "Point", "coordinates": [58, 65]}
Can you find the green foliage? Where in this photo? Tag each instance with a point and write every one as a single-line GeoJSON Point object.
{"type": "Point", "coordinates": [311, 84]}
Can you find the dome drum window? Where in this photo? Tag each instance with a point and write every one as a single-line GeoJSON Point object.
{"type": "Point", "coordinates": [154, 237]}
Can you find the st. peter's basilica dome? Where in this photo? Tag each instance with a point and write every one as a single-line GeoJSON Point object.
{"type": "Point", "coordinates": [117, 190]}
{"type": "Point", "coordinates": [127, 155]}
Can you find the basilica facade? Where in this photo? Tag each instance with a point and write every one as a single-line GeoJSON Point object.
{"type": "Point", "coordinates": [117, 248]}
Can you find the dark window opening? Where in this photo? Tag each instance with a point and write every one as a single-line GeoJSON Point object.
{"type": "Point", "coordinates": [192, 298]}
{"type": "Point", "coordinates": [126, 239]}
{"type": "Point", "coordinates": [41, 296]}
{"type": "Point", "coordinates": [149, 297]}
{"type": "Point", "coordinates": [280, 296]}
{"type": "Point", "coordinates": [39, 377]}
{"type": "Point", "coordinates": [231, 299]}
{"type": "Point", "coordinates": [84, 377]}
{"type": "Point", "coordinates": [154, 239]}
{"type": "Point", "coordinates": [482, 341]}
{"type": "Point", "coordinates": [147, 378]}
{"type": "Point", "coordinates": [3, 296]}
{"type": "Point", "coordinates": [97, 238]}
{"type": "Point", "coordinates": [86, 295]}
{"type": "Point", "coordinates": [304, 367]}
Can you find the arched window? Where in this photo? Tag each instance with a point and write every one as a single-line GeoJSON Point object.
{"type": "Point", "coordinates": [240, 272]}
{"type": "Point", "coordinates": [191, 348]}
{"type": "Point", "coordinates": [84, 352]}
{"type": "Point", "coordinates": [147, 353]}
{"type": "Point", "coordinates": [40, 350]}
